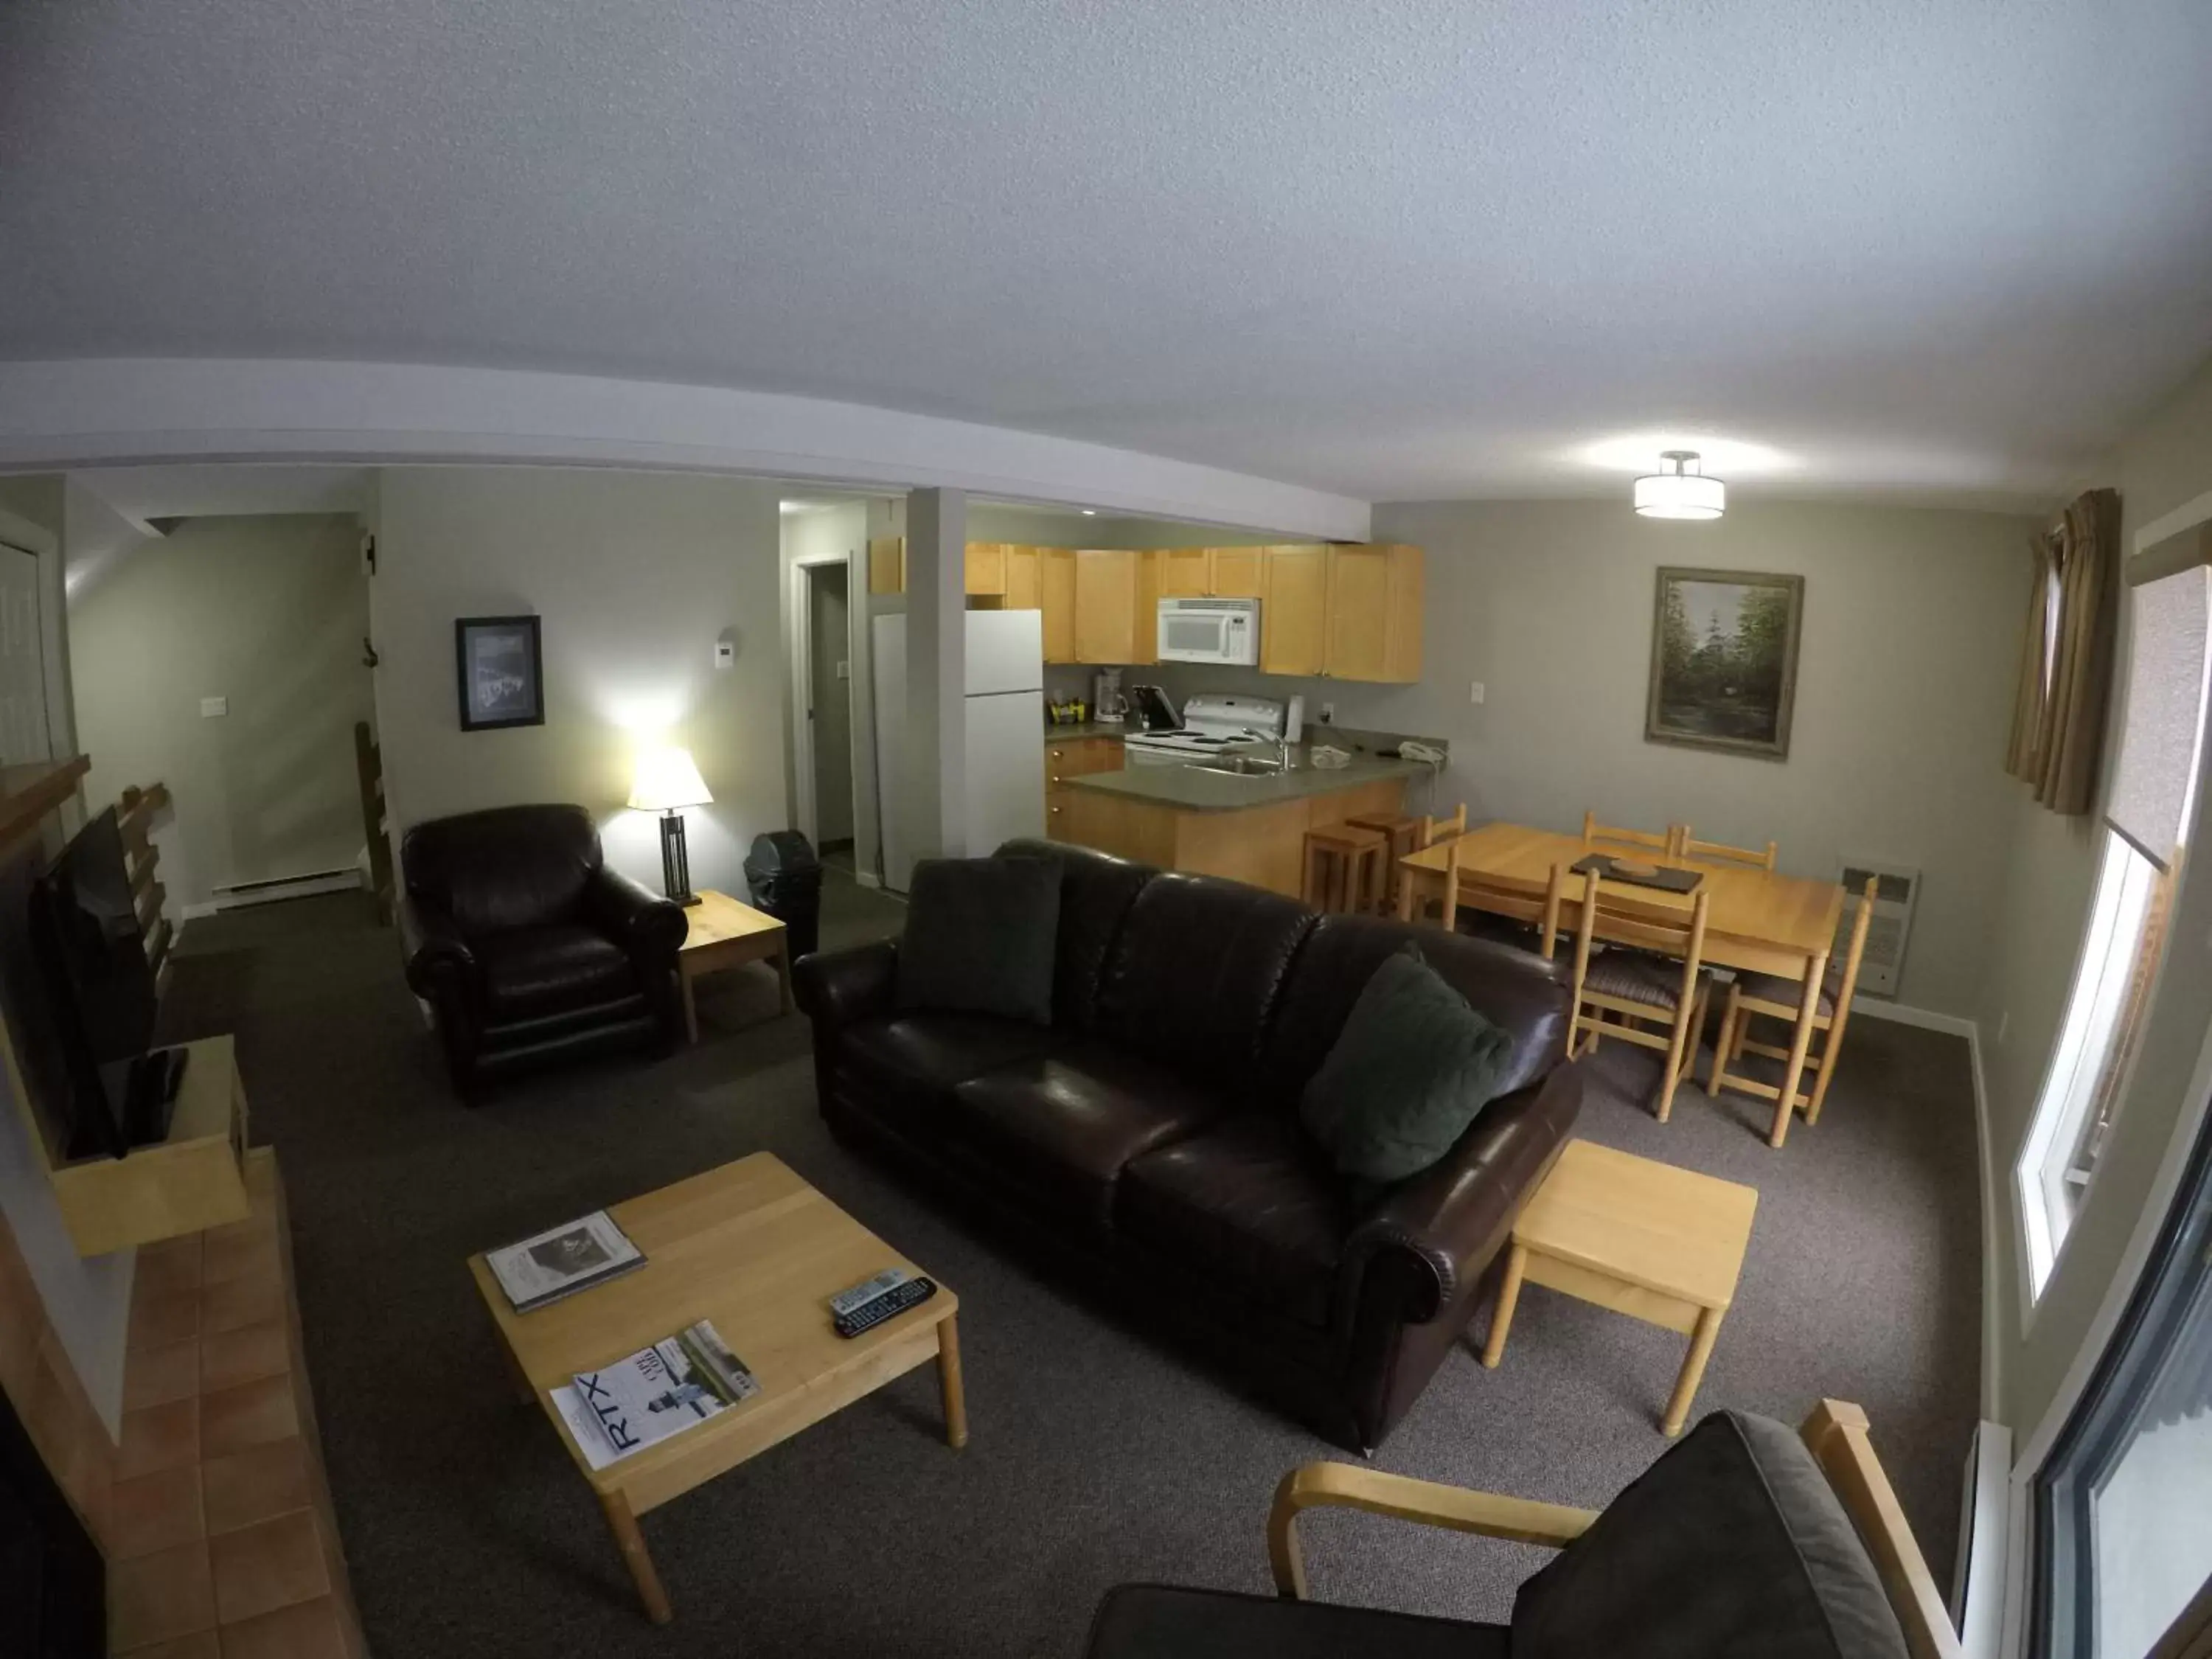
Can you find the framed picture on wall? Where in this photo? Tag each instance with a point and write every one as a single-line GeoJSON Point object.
{"type": "Point", "coordinates": [1724, 661]}
{"type": "Point", "coordinates": [501, 671]}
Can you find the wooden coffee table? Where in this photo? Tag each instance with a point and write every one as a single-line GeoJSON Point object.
{"type": "Point", "coordinates": [727, 934]}
{"type": "Point", "coordinates": [1646, 1239]}
{"type": "Point", "coordinates": [757, 1251]}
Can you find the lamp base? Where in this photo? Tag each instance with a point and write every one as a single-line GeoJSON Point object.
{"type": "Point", "coordinates": [675, 859]}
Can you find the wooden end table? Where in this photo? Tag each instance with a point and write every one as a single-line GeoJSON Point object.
{"type": "Point", "coordinates": [754, 1248]}
{"type": "Point", "coordinates": [725, 933]}
{"type": "Point", "coordinates": [1645, 1239]}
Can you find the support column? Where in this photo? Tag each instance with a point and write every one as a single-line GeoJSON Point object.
{"type": "Point", "coordinates": [936, 763]}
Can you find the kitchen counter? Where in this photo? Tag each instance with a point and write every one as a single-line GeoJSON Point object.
{"type": "Point", "coordinates": [1176, 817]}
{"type": "Point", "coordinates": [1191, 789]}
{"type": "Point", "coordinates": [1086, 729]}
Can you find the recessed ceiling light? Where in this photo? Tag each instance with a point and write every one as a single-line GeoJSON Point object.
{"type": "Point", "coordinates": [1681, 490]}
{"type": "Point", "coordinates": [1089, 511]}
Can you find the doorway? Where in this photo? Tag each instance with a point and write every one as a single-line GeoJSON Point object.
{"type": "Point", "coordinates": [830, 708]}
{"type": "Point", "coordinates": [23, 730]}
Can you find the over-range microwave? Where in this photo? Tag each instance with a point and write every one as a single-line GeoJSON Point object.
{"type": "Point", "coordinates": [1210, 630]}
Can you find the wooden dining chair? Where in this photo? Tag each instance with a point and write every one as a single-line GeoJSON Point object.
{"type": "Point", "coordinates": [1484, 909]}
{"type": "Point", "coordinates": [1603, 835]}
{"type": "Point", "coordinates": [1777, 997]}
{"type": "Point", "coordinates": [1434, 829]}
{"type": "Point", "coordinates": [1656, 980]}
{"type": "Point", "coordinates": [1715, 851]}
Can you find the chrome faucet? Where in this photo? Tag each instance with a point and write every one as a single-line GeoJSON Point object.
{"type": "Point", "coordinates": [1282, 745]}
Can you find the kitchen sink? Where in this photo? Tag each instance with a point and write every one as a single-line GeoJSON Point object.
{"type": "Point", "coordinates": [1239, 766]}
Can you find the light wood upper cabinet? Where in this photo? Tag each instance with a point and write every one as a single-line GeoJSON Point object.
{"type": "Point", "coordinates": [1021, 593]}
{"type": "Point", "coordinates": [887, 564]}
{"type": "Point", "coordinates": [1055, 569]}
{"type": "Point", "coordinates": [1236, 573]}
{"type": "Point", "coordinates": [1293, 610]}
{"type": "Point", "coordinates": [1186, 573]}
{"type": "Point", "coordinates": [986, 568]}
{"type": "Point", "coordinates": [1109, 604]}
{"type": "Point", "coordinates": [1374, 614]}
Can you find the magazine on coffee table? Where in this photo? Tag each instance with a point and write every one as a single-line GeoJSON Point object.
{"type": "Point", "coordinates": [562, 1260]}
{"type": "Point", "coordinates": [654, 1394]}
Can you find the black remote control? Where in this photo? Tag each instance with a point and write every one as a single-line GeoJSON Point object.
{"type": "Point", "coordinates": [892, 1303]}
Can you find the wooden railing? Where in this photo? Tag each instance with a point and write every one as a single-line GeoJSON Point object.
{"type": "Point", "coordinates": [369, 763]}
{"type": "Point", "coordinates": [135, 816]}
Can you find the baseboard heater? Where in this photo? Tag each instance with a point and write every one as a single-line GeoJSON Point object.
{"type": "Point", "coordinates": [285, 887]}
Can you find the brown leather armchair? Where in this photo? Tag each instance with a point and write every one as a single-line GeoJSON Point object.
{"type": "Point", "coordinates": [526, 946]}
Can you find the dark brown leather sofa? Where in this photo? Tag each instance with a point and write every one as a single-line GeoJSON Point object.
{"type": "Point", "coordinates": [526, 946]}
{"type": "Point", "coordinates": [1149, 1138]}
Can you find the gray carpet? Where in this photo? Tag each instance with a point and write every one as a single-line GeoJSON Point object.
{"type": "Point", "coordinates": [1097, 1455]}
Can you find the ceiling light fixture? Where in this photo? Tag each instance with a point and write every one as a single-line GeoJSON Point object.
{"type": "Point", "coordinates": [1682, 491]}
{"type": "Point", "coordinates": [1089, 511]}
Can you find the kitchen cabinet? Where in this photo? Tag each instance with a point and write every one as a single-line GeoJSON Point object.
{"type": "Point", "coordinates": [1056, 600]}
{"type": "Point", "coordinates": [1374, 614]}
{"type": "Point", "coordinates": [1236, 572]}
{"type": "Point", "coordinates": [986, 568]}
{"type": "Point", "coordinates": [1021, 592]}
{"type": "Point", "coordinates": [1116, 606]}
{"type": "Point", "coordinates": [887, 564]}
{"type": "Point", "coordinates": [1073, 757]}
{"type": "Point", "coordinates": [1186, 573]}
{"type": "Point", "coordinates": [1293, 610]}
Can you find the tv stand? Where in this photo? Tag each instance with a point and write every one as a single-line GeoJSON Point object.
{"type": "Point", "coordinates": [191, 1177]}
{"type": "Point", "coordinates": [151, 1100]}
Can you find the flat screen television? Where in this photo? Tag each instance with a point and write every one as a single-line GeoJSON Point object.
{"type": "Point", "coordinates": [101, 995]}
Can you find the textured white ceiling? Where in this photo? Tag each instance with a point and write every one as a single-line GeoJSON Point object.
{"type": "Point", "coordinates": [1418, 249]}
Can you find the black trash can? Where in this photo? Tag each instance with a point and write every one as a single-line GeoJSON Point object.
{"type": "Point", "coordinates": [786, 880]}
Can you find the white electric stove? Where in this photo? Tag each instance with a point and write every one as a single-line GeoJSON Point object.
{"type": "Point", "coordinates": [1209, 726]}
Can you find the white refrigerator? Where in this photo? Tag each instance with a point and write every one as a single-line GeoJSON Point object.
{"type": "Point", "coordinates": [1004, 723]}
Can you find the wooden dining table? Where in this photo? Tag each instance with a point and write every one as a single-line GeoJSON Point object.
{"type": "Point", "coordinates": [1755, 921]}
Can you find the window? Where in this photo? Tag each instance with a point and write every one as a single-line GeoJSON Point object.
{"type": "Point", "coordinates": [2123, 1526]}
{"type": "Point", "coordinates": [2147, 821]}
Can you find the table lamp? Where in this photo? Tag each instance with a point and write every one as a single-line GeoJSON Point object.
{"type": "Point", "coordinates": [668, 781]}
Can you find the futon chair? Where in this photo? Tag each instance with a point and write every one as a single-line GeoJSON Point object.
{"type": "Point", "coordinates": [527, 948]}
{"type": "Point", "coordinates": [1743, 1539]}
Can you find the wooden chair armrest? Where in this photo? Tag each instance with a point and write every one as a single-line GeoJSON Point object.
{"type": "Point", "coordinates": [1347, 1486]}
{"type": "Point", "coordinates": [1836, 1434]}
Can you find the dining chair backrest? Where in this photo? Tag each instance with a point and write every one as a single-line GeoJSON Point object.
{"type": "Point", "coordinates": [1667, 845]}
{"type": "Point", "coordinates": [1434, 829]}
{"type": "Point", "coordinates": [1646, 918]}
{"type": "Point", "coordinates": [1855, 952]}
{"type": "Point", "coordinates": [1715, 851]}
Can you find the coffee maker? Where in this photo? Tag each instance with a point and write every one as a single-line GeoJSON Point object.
{"type": "Point", "coordinates": [1107, 702]}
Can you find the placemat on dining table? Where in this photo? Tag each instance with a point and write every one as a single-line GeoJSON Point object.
{"type": "Point", "coordinates": [1667, 879]}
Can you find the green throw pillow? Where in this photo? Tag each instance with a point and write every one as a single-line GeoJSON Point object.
{"type": "Point", "coordinates": [980, 937]}
{"type": "Point", "coordinates": [1410, 1070]}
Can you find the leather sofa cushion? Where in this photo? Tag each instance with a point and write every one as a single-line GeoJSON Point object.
{"type": "Point", "coordinates": [530, 971]}
{"type": "Point", "coordinates": [1062, 1126]}
{"type": "Point", "coordinates": [1772, 1566]}
{"type": "Point", "coordinates": [918, 1060]}
{"type": "Point", "coordinates": [508, 867]}
{"type": "Point", "coordinates": [1251, 1203]}
{"type": "Point", "coordinates": [1197, 970]}
{"type": "Point", "coordinates": [979, 938]}
{"type": "Point", "coordinates": [1096, 891]}
{"type": "Point", "coordinates": [1159, 1621]}
{"type": "Point", "coordinates": [1515, 990]}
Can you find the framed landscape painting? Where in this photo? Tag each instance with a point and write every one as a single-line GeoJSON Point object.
{"type": "Point", "coordinates": [1724, 661]}
{"type": "Point", "coordinates": [501, 673]}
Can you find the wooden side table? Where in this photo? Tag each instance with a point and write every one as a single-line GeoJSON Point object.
{"type": "Point", "coordinates": [1645, 1239]}
{"type": "Point", "coordinates": [727, 934]}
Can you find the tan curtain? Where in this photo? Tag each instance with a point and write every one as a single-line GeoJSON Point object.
{"type": "Point", "coordinates": [2066, 658]}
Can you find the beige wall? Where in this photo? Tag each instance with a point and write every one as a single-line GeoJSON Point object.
{"type": "Point", "coordinates": [1905, 670]}
{"type": "Point", "coordinates": [636, 575]}
{"type": "Point", "coordinates": [269, 614]}
{"type": "Point", "coordinates": [2050, 872]}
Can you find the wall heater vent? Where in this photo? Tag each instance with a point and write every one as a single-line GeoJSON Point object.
{"type": "Point", "coordinates": [1896, 895]}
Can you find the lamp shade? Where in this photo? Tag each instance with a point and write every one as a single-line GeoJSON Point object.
{"type": "Point", "coordinates": [1681, 491]}
{"type": "Point", "coordinates": [667, 777]}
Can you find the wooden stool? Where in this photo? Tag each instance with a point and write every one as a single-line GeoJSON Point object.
{"type": "Point", "coordinates": [1343, 867]}
{"type": "Point", "coordinates": [1400, 835]}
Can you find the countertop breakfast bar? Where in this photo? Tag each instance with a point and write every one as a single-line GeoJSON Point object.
{"type": "Point", "coordinates": [1248, 827]}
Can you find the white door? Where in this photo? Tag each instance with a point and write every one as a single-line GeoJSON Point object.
{"type": "Point", "coordinates": [1006, 769]}
{"type": "Point", "coordinates": [22, 662]}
